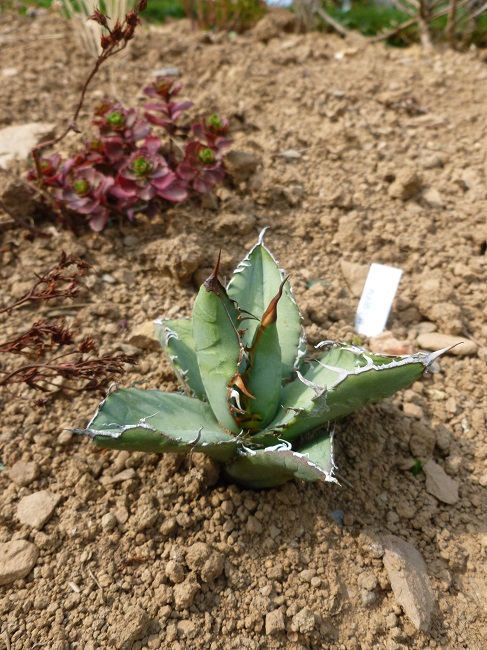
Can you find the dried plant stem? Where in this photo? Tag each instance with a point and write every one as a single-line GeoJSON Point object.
{"type": "Point", "coordinates": [112, 44]}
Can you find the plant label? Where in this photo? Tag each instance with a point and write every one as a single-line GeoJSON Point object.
{"type": "Point", "coordinates": [377, 297]}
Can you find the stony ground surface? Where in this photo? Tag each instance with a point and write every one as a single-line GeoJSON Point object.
{"type": "Point", "coordinates": [387, 164]}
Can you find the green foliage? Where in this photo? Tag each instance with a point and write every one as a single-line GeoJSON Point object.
{"type": "Point", "coordinates": [226, 15]}
{"type": "Point", "coordinates": [254, 399]}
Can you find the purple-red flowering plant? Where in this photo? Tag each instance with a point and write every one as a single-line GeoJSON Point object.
{"type": "Point", "coordinates": [127, 168]}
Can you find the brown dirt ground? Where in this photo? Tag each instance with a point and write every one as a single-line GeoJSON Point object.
{"type": "Point", "coordinates": [377, 180]}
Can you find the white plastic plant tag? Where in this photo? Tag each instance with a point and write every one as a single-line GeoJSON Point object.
{"type": "Point", "coordinates": [377, 297]}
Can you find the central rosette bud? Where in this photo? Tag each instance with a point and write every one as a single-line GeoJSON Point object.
{"type": "Point", "coordinates": [81, 187]}
{"type": "Point", "coordinates": [141, 167]}
{"type": "Point", "coordinates": [206, 156]}
{"type": "Point", "coordinates": [116, 119]}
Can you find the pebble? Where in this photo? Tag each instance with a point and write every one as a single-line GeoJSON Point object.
{"type": "Point", "coordinates": [124, 475]}
{"type": "Point", "coordinates": [210, 563]}
{"type": "Point", "coordinates": [144, 337]}
{"type": "Point", "coordinates": [254, 526]}
{"type": "Point", "coordinates": [17, 141]}
{"type": "Point", "coordinates": [433, 198]}
{"type": "Point", "coordinates": [109, 522]}
{"type": "Point", "coordinates": [437, 341]}
{"type": "Point", "coordinates": [439, 484]}
{"type": "Point", "coordinates": [303, 621]}
{"type": "Point", "coordinates": [385, 343]}
{"type": "Point", "coordinates": [368, 580]}
{"type": "Point", "coordinates": [409, 581]}
{"type": "Point", "coordinates": [185, 592]}
{"type": "Point", "coordinates": [274, 622]}
{"type": "Point", "coordinates": [17, 559]}
{"type": "Point", "coordinates": [241, 165]}
{"type": "Point", "coordinates": [175, 571]}
{"type": "Point", "coordinates": [133, 627]}
{"type": "Point", "coordinates": [355, 276]}
{"type": "Point", "coordinates": [24, 474]}
{"type": "Point", "coordinates": [37, 508]}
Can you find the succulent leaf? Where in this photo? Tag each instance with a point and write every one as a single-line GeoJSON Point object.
{"type": "Point", "coordinates": [263, 375]}
{"type": "Point", "coordinates": [343, 379]}
{"type": "Point", "coordinates": [266, 468]}
{"type": "Point", "coordinates": [176, 339]}
{"type": "Point", "coordinates": [153, 421]}
{"type": "Point", "coordinates": [218, 347]}
{"type": "Point", "coordinates": [254, 284]}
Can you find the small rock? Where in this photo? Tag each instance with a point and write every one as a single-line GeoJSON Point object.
{"type": "Point", "coordinates": [177, 258]}
{"type": "Point", "coordinates": [17, 141]}
{"type": "Point", "coordinates": [64, 437]}
{"type": "Point", "coordinates": [144, 337]}
{"type": "Point", "coordinates": [254, 526]}
{"type": "Point", "coordinates": [187, 629]}
{"type": "Point", "coordinates": [433, 198]}
{"type": "Point", "coordinates": [303, 621]}
{"type": "Point", "coordinates": [87, 488]}
{"type": "Point", "coordinates": [210, 563]}
{"type": "Point", "coordinates": [36, 509]}
{"type": "Point", "coordinates": [275, 622]}
{"type": "Point", "coordinates": [130, 241]}
{"type": "Point", "coordinates": [413, 410]}
{"type": "Point", "coordinates": [124, 475]}
{"type": "Point", "coordinates": [422, 441]}
{"type": "Point", "coordinates": [72, 601]}
{"type": "Point", "coordinates": [240, 165]}
{"type": "Point", "coordinates": [368, 598]}
{"type": "Point", "coordinates": [109, 522]}
{"type": "Point", "coordinates": [175, 571]}
{"type": "Point", "coordinates": [146, 514]}
{"type": "Point", "coordinates": [24, 474]}
{"type": "Point", "coordinates": [16, 197]}
{"type": "Point", "coordinates": [132, 628]}
{"type": "Point", "coordinates": [436, 341]}
{"type": "Point", "coordinates": [409, 581]}
{"type": "Point", "coordinates": [185, 592]}
{"type": "Point", "coordinates": [231, 224]}
{"type": "Point", "coordinates": [17, 559]}
{"type": "Point", "coordinates": [367, 580]}
{"type": "Point", "coordinates": [385, 343]}
{"type": "Point", "coordinates": [355, 276]}
{"type": "Point", "coordinates": [443, 437]}
{"type": "Point", "coordinates": [439, 484]}
{"type": "Point", "coordinates": [406, 186]}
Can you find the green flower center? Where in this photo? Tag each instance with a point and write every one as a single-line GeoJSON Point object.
{"type": "Point", "coordinates": [141, 166]}
{"type": "Point", "coordinates": [214, 122]}
{"type": "Point", "coordinates": [206, 156]}
{"type": "Point", "coordinates": [115, 119]}
{"type": "Point", "coordinates": [81, 187]}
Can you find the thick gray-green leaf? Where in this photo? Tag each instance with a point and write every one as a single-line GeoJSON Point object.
{"type": "Point", "coordinates": [255, 282]}
{"type": "Point", "coordinates": [273, 466]}
{"type": "Point", "coordinates": [153, 421]}
{"type": "Point", "coordinates": [218, 350]}
{"type": "Point", "coordinates": [341, 381]}
{"type": "Point", "coordinates": [176, 338]}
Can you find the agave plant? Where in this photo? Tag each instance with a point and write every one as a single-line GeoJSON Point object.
{"type": "Point", "coordinates": [253, 399]}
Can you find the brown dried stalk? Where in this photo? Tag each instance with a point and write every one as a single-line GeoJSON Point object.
{"type": "Point", "coordinates": [56, 283]}
{"type": "Point", "coordinates": [112, 43]}
{"type": "Point", "coordinates": [51, 347]}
